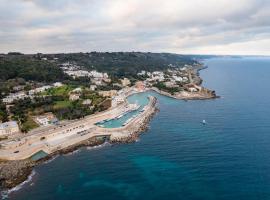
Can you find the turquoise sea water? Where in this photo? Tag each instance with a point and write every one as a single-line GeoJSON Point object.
{"type": "Point", "coordinates": [178, 157]}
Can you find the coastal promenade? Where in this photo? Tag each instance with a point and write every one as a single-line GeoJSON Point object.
{"type": "Point", "coordinates": [69, 133]}
{"type": "Point", "coordinates": [55, 138]}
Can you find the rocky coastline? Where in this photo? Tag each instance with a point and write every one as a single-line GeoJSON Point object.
{"type": "Point", "coordinates": [16, 172]}
{"type": "Point", "coordinates": [134, 135]}
{"type": "Point", "coordinates": [187, 95]}
{"type": "Point", "coordinates": [202, 93]}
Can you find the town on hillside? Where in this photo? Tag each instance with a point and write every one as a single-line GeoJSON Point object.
{"type": "Point", "coordinates": [44, 90]}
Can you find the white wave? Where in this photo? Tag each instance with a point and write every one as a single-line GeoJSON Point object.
{"type": "Point", "coordinates": [4, 194]}
{"type": "Point", "coordinates": [73, 152]}
{"type": "Point", "coordinates": [99, 146]}
{"type": "Point", "coordinates": [50, 160]}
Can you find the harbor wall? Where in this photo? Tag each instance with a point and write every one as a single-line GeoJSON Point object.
{"type": "Point", "coordinates": [136, 126]}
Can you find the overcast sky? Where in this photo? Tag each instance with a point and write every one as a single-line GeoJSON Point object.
{"type": "Point", "coordinates": [180, 26]}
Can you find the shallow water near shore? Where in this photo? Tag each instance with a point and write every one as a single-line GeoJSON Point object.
{"type": "Point", "coordinates": [179, 157]}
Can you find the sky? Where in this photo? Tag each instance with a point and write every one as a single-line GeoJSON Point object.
{"type": "Point", "coordinates": [228, 27]}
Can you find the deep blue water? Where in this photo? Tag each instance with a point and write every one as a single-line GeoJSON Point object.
{"type": "Point", "coordinates": [178, 157]}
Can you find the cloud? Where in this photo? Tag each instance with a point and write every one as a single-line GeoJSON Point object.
{"type": "Point", "coordinates": [194, 26]}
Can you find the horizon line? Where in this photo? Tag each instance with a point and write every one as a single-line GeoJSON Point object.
{"type": "Point", "coordinates": [187, 54]}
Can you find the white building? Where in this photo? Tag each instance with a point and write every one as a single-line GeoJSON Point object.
{"type": "Point", "coordinates": [40, 89]}
{"type": "Point", "coordinates": [116, 100]}
{"type": "Point", "coordinates": [96, 74]}
{"type": "Point", "coordinates": [125, 82]}
{"type": "Point", "coordinates": [184, 68]}
{"type": "Point", "coordinates": [93, 87]}
{"type": "Point", "coordinates": [14, 96]}
{"type": "Point", "coordinates": [185, 79]}
{"type": "Point", "coordinates": [58, 84]}
{"type": "Point", "coordinates": [77, 73]}
{"type": "Point", "coordinates": [170, 84]}
{"type": "Point", "coordinates": [157, 73]}
{"type": "Point", "coordinates": [8, 128]}
{"type": "Point", "coordinates": [142, 73]}
{"type": "Point", "coordinates": [74, 97]}
{"type": "Point", "coordinates": [192, 89]}
{"type": "Point", "coordinates": [77, 90]}
{"type": "Point", "coordinates": [157, 76]}
{"type": "Point", "coordinates": [177, 78]}
{"type": "Point", "coordinates": [18, 88]}
{"type": "Point", "coordinates": [109, 93]}
{"type": "Point", "coordinates": [97, 81]}
{"type": "Point", "coordinates": [46, 119]}
{"type": "Point", "coordinates": [87, 102]}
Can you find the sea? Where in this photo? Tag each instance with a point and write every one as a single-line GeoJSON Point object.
{"type": "Point", "coordinates": [178, 157]}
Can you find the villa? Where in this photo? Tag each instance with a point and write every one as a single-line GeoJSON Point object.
{"type": "Point", "coordinates": [109, 93]}
{"type": "Point", "coordinates": [46, 119]}
{"type": "Point", "coordinates": [125, 82]}
{"type": "Point", "coordinates": [8, 128]}
{"type": "Point", "coordinates": [40, 89]}
{"type": "Point", "coordinates": [116, 100]}
{"type": "Point", "coordinates": [140, 86]}
{"type": "Point", "coordinates": [14, 96]}
{"type": "Point", "coordinates": [93, 87]}
{"type": "Point", "coordinates": [74, 97]}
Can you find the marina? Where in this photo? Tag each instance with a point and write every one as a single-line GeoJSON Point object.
{"type": "Point", "coordinates": [137, 102]}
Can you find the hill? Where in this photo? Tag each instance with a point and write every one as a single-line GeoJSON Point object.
{"type": "Point", "coordinates": [125, 63]}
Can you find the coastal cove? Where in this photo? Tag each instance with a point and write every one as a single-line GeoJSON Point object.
{"type": "Point", "coordinates": [178, 157]}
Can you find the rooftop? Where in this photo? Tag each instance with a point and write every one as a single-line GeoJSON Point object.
{"type": "Point", "coordinates": [8, 124]}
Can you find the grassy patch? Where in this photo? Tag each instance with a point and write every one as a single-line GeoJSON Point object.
{"type": "Point", "coordinates": [96, 99]}
{"type": "Point", "coordinates": [62, 104]}
{"type": "Point", "coordinates": [59, 91]}
{"type": "Point", "coordinates": [29, 124]}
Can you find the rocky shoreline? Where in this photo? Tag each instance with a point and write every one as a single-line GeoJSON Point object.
{"type": "Point", "coordinates": [185, 96]}
{"type": "Point", "coordinates": [133, 137]}
{"type": "Point", "coordinates": [16, 172]}
{"type": "Point", "coordinates": [202, 93]}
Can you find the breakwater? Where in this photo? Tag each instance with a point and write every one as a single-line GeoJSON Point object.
{"type": "Point", "coordinates": [135, 127]}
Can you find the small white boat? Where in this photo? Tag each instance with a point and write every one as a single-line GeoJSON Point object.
{"type": "Point", "coordinates": [120, 116]}
{"type": "Point", "coordinates": [203, 122]}
{"type": "Point", "coordinates": [134, 107]}
{"type": "Point", "coordinates": [127, 121]}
